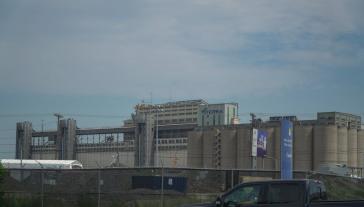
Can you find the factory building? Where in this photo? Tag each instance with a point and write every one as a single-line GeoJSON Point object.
{"type": "Point", "coordinates": [314, 145]}
{"type": "Point", "coordinates": [134, 144]}
{"type": "Point", "coordinates": [104, 147]}
{"type": "Point", "coordinates": [184, 134]}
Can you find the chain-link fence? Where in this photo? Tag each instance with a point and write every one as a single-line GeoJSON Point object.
{"type": "Point", "coordinates": [124, 186]}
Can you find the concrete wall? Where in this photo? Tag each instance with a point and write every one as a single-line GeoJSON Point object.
{"type": "Point", "coordinates": [194, 149]}
{"type": "Point", "coordinates": [105, 159]}
{"type": "Point", "coordinates": [361, 148]}
{"type": "Point", "coordinates": [228, 148]}
{"type": "Point", "coordinates": [277, 147]}
{"type": "Point", "coordinates": [23, 140]}
{"type": "Point", "coordinates": [342, 145]}
{"type": "Point", "coordinates": [243, 148]}
{"type": "Point", "coordinates": [70, 139]}
{"type": "Point", "coordinates": [352, 148]}
{"type": "Point", "coordinates": [325, 145]}
{"type": "Point", "coordinates": [208, 152]}
{"type": "Point", "coordinates": [313, 146]}
{"type": "Point", "coordinates": [169, 158]}
{"type": "Point", "coordinates": [44, 155]}
{"type": "Point", "coordinates": [173, 158]}
{"type": "Point", "coordinates": [302, 145]}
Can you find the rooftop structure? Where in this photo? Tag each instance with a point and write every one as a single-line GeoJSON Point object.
{"type": "Point", "coordinates": [217, 114]}
{"type": "Point", "coordinates": [173, 112]}
{"type": "Point", "coordinates": [339, 119]}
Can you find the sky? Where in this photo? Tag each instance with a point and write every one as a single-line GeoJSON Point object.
{"type": "Point", "coordinates": [94, 60]}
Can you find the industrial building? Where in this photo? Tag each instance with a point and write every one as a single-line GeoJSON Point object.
{"type": "Point", "coordinates": [134, 144]}
{"type": "Point", "coordinates": [103, 147]}
{"type": "Point", "coordinates": [314, 145]}
{"type": "Point", "coordinates": [184, 134]}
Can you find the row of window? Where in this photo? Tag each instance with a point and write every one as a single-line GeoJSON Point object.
{"type": "Point", "coordinates": [188, 120]}
{"type": "Point", "coordinates": [179, 114]}
{"type": "Point", "coordinates": [172, 141]}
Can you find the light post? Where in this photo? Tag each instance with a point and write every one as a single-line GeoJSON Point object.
{"type": "Point", "coordinates": [99, 184]}
{"type": "Point", "coordinates": [42, 145]}
{"type": "Point", "coordinates": [158, 109]}
{"type": "Point", "coordinates": [254, 158]}
{"type": "Point", "coordinates": [156, 137]}
{"type": "Point", "coordinates": [162, 187]}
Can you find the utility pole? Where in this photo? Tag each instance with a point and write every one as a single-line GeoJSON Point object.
{"type": "Point", "coordinates": [157, 138]}
{"type": "Point", "coordinates": [41, 148]}
{"type": "Point", "coordinates": [254, 158]}
{"type": "Point", "coordinates": [162, 186]}
{"type": "Point", "coordinates": [98, 185]}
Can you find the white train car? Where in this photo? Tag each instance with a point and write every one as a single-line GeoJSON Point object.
{"type": "Point", "coordinates": [41, 164]}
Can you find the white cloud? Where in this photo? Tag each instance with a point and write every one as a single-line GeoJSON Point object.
{"type": "Point", "coordinates": [190, 48]}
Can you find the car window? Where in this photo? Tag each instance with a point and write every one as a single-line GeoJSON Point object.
{"type": "Point", "coordinates": [251, 194]}
{"type": "Point", "coordinates": [317, 191]}
{"type": "Point", "coordinates": [285, 193]}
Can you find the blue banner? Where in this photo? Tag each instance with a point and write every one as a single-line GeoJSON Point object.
{"type": "Point", "coordinates": [286, 149]}
{"type": "Point", "coordinates": [262, 143]}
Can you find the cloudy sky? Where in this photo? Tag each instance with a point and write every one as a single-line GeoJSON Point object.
{"type": "Point", "coordinates": [93, 60]}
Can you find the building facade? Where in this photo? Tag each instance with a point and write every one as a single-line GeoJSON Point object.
{"type": "Point", "coordinates": [178, 112]}
{"type": "Point", "coordinates": [217, 114]}
{"type": "Point", "coordinates": [316, 145]}
{"type": "Point", "coordinates": [339, 119]}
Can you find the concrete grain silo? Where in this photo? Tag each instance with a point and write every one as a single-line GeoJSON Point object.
{"type": "Point", "coordinates": [353, 148]}
{"type": "Point", "coordinates": [208, 152]}
{"type": "Point", "coordinates": [325, 145]}
{"type": "Point", "coordinates": [342, 145]}
{"type": "Point", "coordinates": [268, 162]}
{"type": "Point", "coordinates": [228, 148]}
{"type": "Point", "coordinates": [243, 148]}
{"type": "Point", "coordinates": [302, 148]}
{"type": "Point", "coordinates": [361, 148]}
{"type": "Point", "coordinates": [194, 149]}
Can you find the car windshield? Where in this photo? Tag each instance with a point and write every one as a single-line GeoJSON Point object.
{"type": "Point", "coordinates": [251, 194]}
{"type": "Point", "coordinates": [285, 193]}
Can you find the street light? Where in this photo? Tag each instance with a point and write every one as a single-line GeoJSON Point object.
{"type": "Point", "coordinates": [98, 185]}
{"type": "Point", "coordinates": [157, 110]}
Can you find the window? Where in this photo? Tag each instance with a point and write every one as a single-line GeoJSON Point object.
{"type": "Point", "coordinates": [251, 194]}
{"type": "Point", "coordinates": [286, 193]}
